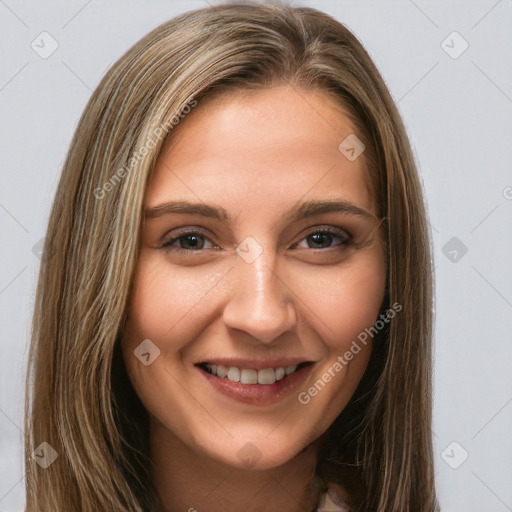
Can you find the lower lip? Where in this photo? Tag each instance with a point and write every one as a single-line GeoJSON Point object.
{"type": "Point", "coordinates": [259, 394]}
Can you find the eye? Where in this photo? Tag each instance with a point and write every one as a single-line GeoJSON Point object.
{"type": "Point", "coordinates": [189, 241]}
{"type": "Point", "coordinates": [323, 237]}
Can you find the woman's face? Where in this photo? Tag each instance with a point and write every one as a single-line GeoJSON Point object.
{"type": "Point", "coordinates": [242, 271]}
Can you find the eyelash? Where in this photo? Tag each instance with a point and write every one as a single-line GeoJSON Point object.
{"type": "Point", "coordinates": [344, 236]}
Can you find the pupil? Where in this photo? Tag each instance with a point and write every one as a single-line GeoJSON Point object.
{"type": "Point", "coordinates": [192, 241]}
{"type": "Point", "coordinates": [317, 239]}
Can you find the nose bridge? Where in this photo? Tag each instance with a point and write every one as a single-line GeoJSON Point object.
{"type": "Point", "coordinates": [266, 281]}
{"type": "Point", "coordinates": [260, 303]}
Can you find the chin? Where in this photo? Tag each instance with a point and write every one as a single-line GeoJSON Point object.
{"type": "Point", "coordinates": [259, 455]}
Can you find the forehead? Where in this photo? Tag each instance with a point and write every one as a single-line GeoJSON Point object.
{"type": "Point", "coordinates": [266, 148]}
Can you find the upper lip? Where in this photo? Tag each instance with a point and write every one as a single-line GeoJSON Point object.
{"type": "Point", "coordinates": [256, 364]}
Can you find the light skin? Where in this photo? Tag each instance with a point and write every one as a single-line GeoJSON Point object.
{"type": "Point", "coordinates": [257, 155]}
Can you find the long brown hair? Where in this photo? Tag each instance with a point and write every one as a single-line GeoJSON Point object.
{"type": "Point", "coordinates": [79, 399]}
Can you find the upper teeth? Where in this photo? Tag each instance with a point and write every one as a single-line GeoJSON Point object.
{"type": "Point", "coordinates": [250, 376]}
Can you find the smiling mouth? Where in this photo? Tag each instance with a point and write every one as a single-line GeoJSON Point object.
{"type": "Point", "coordinates": [251, 376]}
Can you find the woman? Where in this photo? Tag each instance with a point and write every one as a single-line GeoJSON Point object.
{"type": "Point", "coordinates": [234, 310]}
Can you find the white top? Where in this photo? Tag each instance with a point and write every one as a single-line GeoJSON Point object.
{"type": "Point", "coordinates": [332, 502]}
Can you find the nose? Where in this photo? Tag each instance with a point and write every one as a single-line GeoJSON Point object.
{"type": "Point", "coordinates": [261, 303]}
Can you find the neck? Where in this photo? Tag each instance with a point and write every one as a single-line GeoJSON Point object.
{"type": "Point", "coordinates": [189, 481]}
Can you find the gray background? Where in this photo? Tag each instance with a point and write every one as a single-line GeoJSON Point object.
{"type": "Point", "coordinates": [458, 112]}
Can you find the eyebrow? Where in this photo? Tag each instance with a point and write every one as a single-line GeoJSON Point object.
{"type": "Point", "coordinates": [298, 212]}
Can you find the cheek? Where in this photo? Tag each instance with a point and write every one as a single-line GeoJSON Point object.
{"type": "Point", "coordinates": [166, 307]}
{"type": "Point", "coordinates": [358, 304]}
{"type": "Point", "coordinates": [348, 302]}
{"type": "Point", "coordinates": [348, 299]}
{"type": "Point", "coordinates": [163, 300]}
